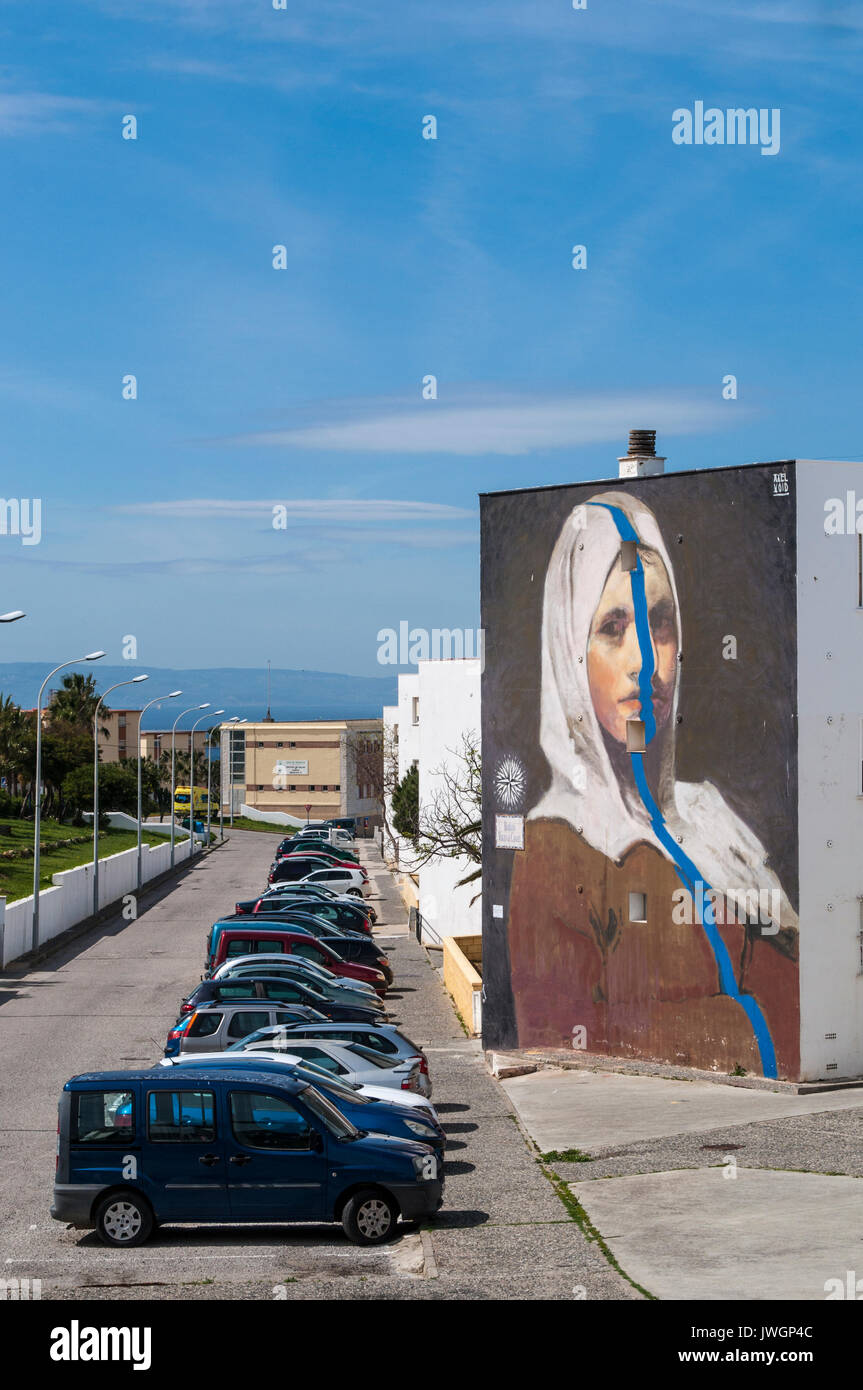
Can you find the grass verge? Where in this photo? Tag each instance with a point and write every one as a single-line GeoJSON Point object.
{"type": "Point", "coordinates": [16, 875]}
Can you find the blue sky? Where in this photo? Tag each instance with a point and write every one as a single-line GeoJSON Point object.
{"type": "Point", "coordinates": [406, 257]}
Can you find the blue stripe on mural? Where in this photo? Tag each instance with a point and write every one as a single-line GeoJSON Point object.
{"type": "Point", "coordinates": [687, 872]}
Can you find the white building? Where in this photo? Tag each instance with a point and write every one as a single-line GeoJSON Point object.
{"type": "Point", "coordinates": [438, 707]}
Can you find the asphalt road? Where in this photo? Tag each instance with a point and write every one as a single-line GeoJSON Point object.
{"type": "Point", "coordinates": [109, 1001]}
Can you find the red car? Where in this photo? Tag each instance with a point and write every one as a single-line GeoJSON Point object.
{"type": "Point", "coordinates": [249, 941]}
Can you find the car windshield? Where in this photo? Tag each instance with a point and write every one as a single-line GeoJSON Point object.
{"type": "Point", "coordinates": [348, 1089]}
{"type": "Point", "coordinates": [334, 1120]}
{"type": "Point", "coordinates": [377, 1059]}
{"type": "Point", "coordinates": [259, 1035]}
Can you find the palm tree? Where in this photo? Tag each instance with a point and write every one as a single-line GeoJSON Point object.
{"type": "Point", "coordinates": [16, 738]}
{"type": "Point", "coordinates": [76, 700]}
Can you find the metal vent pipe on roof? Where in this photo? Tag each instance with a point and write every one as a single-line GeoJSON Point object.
{"type": "Point", "coordinates": [641, 459]}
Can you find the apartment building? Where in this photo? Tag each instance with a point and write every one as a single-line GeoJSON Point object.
{"type": "Point", "coordinates": [309, 769]}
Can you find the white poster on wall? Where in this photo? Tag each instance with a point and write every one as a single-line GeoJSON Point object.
{"type": "Point", "coordinates": [509, 832]}
{"type": "Point", "coordinates": [287, 767]}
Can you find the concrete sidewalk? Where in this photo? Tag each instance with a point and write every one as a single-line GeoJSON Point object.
{"type": "Point", "coordinates": [708, 1191]}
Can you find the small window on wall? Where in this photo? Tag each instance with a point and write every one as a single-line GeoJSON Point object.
{"type": "Point", "coordinates": [415, 709]}
{"type": "Point", "coordinates": [628, 555]}
{"type": "Point", "coordinates": [638, 907]}
{"type": "Point", "coordinates": [635, 741]}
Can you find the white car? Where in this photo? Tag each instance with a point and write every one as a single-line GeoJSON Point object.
{"type": "Point", "coordinates": [323, 1057]}
{"type": "Point", "coordinates": [354, 881]}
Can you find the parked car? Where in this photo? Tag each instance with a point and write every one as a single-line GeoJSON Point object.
{"type": "Point", "coordinates": [286, 991]}
{"type": "Point", "coordinates": [289, 968]}
{"type": "Point", "coordinates": [348, 1060]}
{"type": "Point", "coordinates": [348, 916]}
{"type": "Point", "coordinates": [383, 1038]}
{"type": "Point", "coordinates": [248, 940]}
{"type": "Point", "coordinates": [300, 868]}
{"type": "Point", "coordinates": [292, 967]}
{"type": "Point", "coordinates": [229, 1146]}
{"type": "Point", "coordinates": [213, 1027]}
{"type": "Point", "coordinates": [312, 844]}
{"type": "Point", "coordinates": [227, 924]}
{"type": "Point", "coordinates": [315, 849]}
{"type": "Point", "coordinates": [388, 1087]}
{"type": "Point", "coordinates": [350, 946]}
{"type": "Point", "coordinates": [387, 1116]}
{"type": "Point", "coordinates": [317, 891]}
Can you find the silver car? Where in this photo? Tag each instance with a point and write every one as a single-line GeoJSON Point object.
{"type": "Point", "coordinates": [393, 1094]}
{"type": "Point", "coordinates": [353, 1063]}
{"type": "Point", "coordinates": [295, 968]}
{"type": "Point", "coordinates": [216, 1026]}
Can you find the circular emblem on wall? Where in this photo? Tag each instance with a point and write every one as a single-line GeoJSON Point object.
{"type": "Point", "coordinates": [509, 783]}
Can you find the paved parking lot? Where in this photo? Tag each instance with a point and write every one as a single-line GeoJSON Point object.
{"type": "Point", "coordinates": [109, 1001]}
{"type": "Point", "coordinates": [705, 1191]}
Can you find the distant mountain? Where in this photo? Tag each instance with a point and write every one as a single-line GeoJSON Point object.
{"type": "Point", "coordinates": [237, 690]}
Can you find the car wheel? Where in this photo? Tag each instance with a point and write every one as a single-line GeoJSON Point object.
{"type": "Point", "coordinates": [355, 892]}
{"type": "Point", "coordinates": [124, 1219]}
{"type": "Point", "coordinates": [369, 1217]}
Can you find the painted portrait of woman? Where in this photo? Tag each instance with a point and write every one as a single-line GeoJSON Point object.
{"type": "Point", "coordinates": [626, 917]}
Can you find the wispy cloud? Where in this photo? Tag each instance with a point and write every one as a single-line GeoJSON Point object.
{"type": "Point", "coordinates": [183, 566]}
{"type": "Point", "coordinates": [500, 426]}
{"type": "Point", "coordinates": [35, 113]}
{"type": "Point", "coordinates": [340, 509]}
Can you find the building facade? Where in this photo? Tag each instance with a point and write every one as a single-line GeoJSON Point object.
{"type": "Point", "coordinates": [310, 769]}
{"type": "Point", "coordinates": [673, 768]}
{"type": "Point", "coordinates": [155, 742]}
{"type": "Point", "coordinates": [438, 708]}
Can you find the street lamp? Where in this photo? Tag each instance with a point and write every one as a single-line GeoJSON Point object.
{"type": "Point", "coordinates": [234, 719]}
{"type": "Point", "coordinates": [173, 695]}
{"type": "Point", "coordinates": [180, 716]}
{"type": "Point", "coordinates": [210, 772]}
{"type": "Point", "coordinates": [12, 617]}
{"type": "Point", "coordinates": [91, 656]}
{"type": "Point", "coordinates": [136, 680]}
{"type": "Point", "coordinates": [192, 781]}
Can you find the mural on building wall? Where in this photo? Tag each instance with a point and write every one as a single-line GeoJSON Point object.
{"type": "Point", "coordinates": [645, 916]}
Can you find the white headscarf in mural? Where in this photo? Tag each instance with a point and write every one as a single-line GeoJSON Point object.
{"type": "Point", "coordinates": [608, 813]}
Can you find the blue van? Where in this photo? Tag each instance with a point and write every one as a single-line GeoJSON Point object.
{"type": "Point", "coordinates": [139, 1148]}
{"type": "Point", "coordinates": [376, 1115]}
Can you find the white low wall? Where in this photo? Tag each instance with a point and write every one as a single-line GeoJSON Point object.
{"type": "Point", "coordinates": [119, 820]}
{"type": "Point", "coordinates": [271, 818]}
{"type": "Point", "coordinates": [70, 900]}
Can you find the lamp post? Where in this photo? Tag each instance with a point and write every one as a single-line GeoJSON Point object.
{"type": "Point", "coordinates": [192, 781]}
{"type": "Point", "coordinates": [12, 617]}
{"type": "Point", "coordinates": [173, 695]}
{"type": "Point", "coordinates": [180, 716]}
{"type": "Point", "coordinates": [136, 680]}
{"type": "Point", "coordinates": [91, 656]}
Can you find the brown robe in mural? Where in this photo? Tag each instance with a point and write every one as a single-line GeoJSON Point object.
{"type": "Point", "coordinates": [643, 990]}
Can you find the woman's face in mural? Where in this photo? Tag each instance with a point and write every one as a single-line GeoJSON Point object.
{"type": "Point", "coordinates": [614, 657]}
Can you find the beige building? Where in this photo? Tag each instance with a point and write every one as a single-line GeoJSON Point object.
{"type": "Point", "coordinates": [155, 742]}
{"type": "Point", "coordinates": [308, 769]}
{"type": "Point", "coordinates": [121, 740]}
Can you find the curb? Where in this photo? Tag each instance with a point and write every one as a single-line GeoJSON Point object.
{"type": "Point", "coordinates": [504, 1065]}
